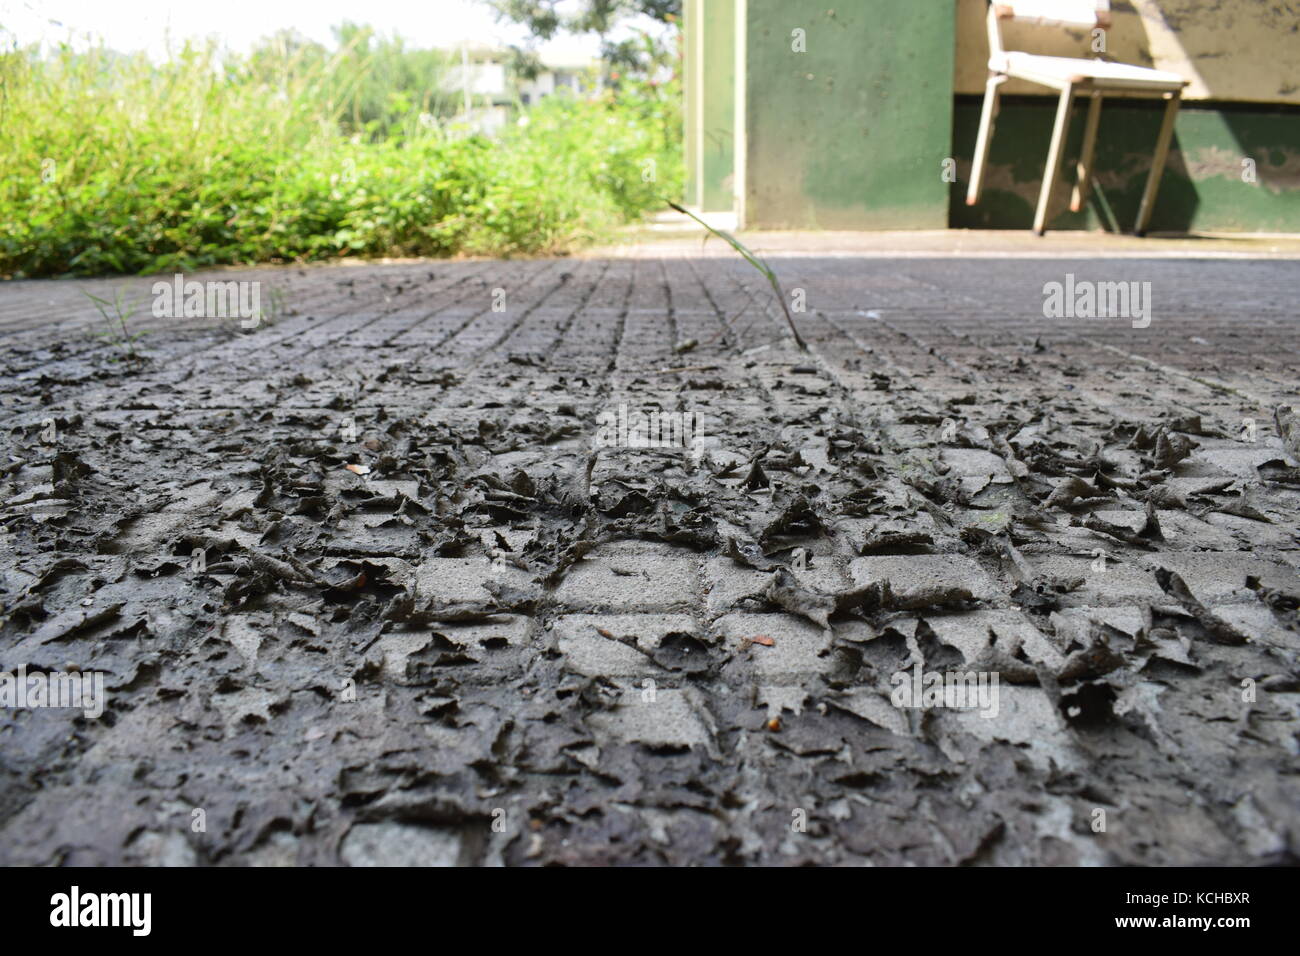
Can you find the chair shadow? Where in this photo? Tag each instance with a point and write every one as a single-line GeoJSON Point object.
{"type": "Point", "coordinates": [1125, 145]}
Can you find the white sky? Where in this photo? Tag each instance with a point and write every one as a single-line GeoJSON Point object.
{"type": "Point", "coordinates": [131, 25]}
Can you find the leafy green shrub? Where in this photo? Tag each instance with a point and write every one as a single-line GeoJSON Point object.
{"type": "Point", "coordinates": [114, 164]}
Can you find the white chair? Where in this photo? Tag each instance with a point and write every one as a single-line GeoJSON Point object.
{"type": "Point", "coordinates": [1074, 78]}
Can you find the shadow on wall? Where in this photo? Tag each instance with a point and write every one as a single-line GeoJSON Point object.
{"type": "Point", "coordinates": [1244, 51]}
{"type": "Point", "coordinates": [1125, 142]}
{"type": "Point", "coordinates": [1231, 165]}
{"type": "Point", "coordinates": [1126, 137]}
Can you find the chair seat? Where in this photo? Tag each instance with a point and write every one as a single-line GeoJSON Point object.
{"type": "Point", "coordinates": [1058, 71]}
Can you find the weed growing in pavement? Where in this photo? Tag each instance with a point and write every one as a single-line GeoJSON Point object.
{"type": "Point", "coordinates": [117, 330]}
{"type": "Point", "coordinates": [755, 261]}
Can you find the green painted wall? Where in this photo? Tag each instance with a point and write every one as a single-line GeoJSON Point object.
{"type": "Point", "coordinates": [851, 134]}
{"type": "Point", "coordinates": [718, 135]}
{"type": "Point", "coordinates": [1202, 190]}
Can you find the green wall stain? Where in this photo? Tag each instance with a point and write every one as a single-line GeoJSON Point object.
{"type": "Point", "coordinates": [851, 134]}
{"type": "Point", "coordinates": [1202, 189]}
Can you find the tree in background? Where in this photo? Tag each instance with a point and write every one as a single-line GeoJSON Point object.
{"type": "Point", "coordinates": [544, 19]}
{"type": "Point", "coordinates": [372, 84]}
{"type": "Point", "coordinates": [645, 54]}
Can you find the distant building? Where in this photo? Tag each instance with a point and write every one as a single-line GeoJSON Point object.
{"type": "Point", "coordinates": [485, 78]}
{"type": "Point", "coordinates": [493, 92]}
{"type": "Point", "coordinates": [576, 74]}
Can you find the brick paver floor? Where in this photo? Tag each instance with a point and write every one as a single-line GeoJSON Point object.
{"type": "Point", "coordinates": [499, 638]}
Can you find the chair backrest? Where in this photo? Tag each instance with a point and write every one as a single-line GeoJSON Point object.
{"type": "Point", "coordinates": [1075, 13]}
{"type": "Point", "coordinates": [1067, 13]}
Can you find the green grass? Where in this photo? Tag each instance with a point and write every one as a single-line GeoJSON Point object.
{"type": "Point", "coordinates": [117, 323]}
{"type": "Point", "coordinates": [758, 262]}
{"type": "Point", "coordinates": [117, 165]}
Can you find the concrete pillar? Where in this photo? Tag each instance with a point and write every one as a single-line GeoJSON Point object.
{"type": "Point", "coordinates": [806, 115]}
{"type": "Point", "coordinates": [691, 133]}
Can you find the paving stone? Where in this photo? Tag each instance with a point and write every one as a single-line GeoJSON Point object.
{"type": "Point", "coordinates": [974, 462]}
{"type": "Point", "coordinates": [1240, 461]}
{"type": "Point", "coordinates": [659, 717]}
{"type": "Point", "coordinates": [1217, 578]}
{"type": "Point", "coordinates": [1189, 486]}
{"type": "Point", "coordinates": [875, 706]}
{"type": "Point", "coordinates": [461, 580]}
{"type": "Point", "coordinates": [1119, 583]}
{"type": "Point", "coordinates": [912, 576]}
{"type": "Point", "coordinates": [727, 582]}
{"type": "Point", "coordinates": [279, 850]}
{"type": "Point", "coordinates": [396, 648]}
{"type": "Point", "coordinates": [1260, 624]}
{"type": "Point", "coordinates": [588, 653]}
{"type": "Point", "coordinates": [400, 844]}
{"type": "Point", "coordinates": [973, 632]}
{"type": "Point", "coordinates": [484, 641]}
{"type": "Point", "coordinates": [1074, 624]}
{"type": "Point", "coordinates": [1184, 531]}
{"type": "Point", "coordinates": [1237, 529]}
{"type": "Point", "coordinates": [500, 630]}
{"type": "Point", "coordinates": [795, 651]}
{"type": "Point", "coordinates": [778, 698]}
{"type": "Point", "coordinates": [163, 850]}
{"type": "Point", "coordinates": [1025, 717]}
{"type": "Point", "coordinates": [645, 581]}
{"type": "Point", "coordinates": [853, 533]}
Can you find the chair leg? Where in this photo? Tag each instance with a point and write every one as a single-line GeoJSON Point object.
{"type": "Point", "coordinates": [1158, 163]}
{"type": "Point", "coordinates": [1053, 172]}
{"type": "Point", "coordinates": [988, 116]}
{"type": "Point", "coordinates": [1084, 181]}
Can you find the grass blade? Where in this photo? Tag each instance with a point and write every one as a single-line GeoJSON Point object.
{"type": "Point", "coordinates": [754, 261]}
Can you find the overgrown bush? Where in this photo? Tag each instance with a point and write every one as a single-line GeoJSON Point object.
{"type": "Point", "coordinates": [114, 164]}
